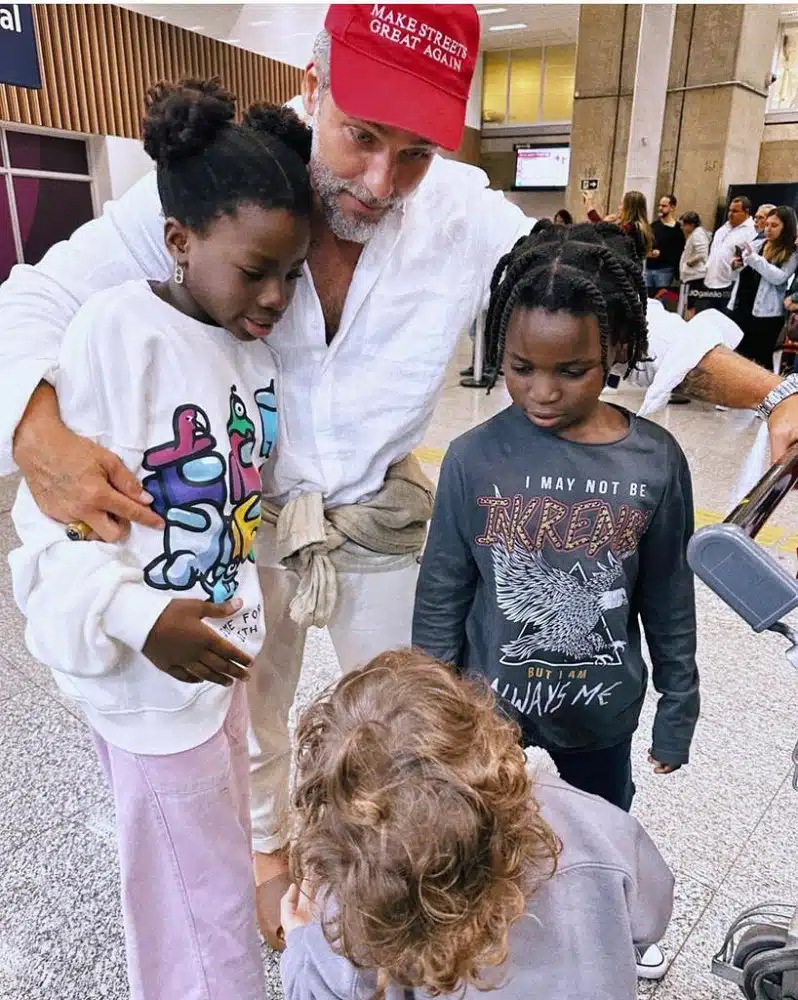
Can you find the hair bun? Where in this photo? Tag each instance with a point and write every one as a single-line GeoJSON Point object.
{"type": "Point", "coordinates": [183, 118]}
{"type": "Point", "coordinates": [284, 124]}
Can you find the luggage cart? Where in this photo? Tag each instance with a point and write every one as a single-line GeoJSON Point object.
{"type": "Point", "coordinates": [760, 951]}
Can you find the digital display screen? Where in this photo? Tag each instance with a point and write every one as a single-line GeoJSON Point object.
{"type": "Point", "coordinates": [542, 167]}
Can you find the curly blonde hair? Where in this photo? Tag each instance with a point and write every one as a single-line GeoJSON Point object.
{"type": "Point", "coordinates": [414, 812]}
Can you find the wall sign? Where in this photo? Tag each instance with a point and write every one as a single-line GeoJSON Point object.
{"type": "Point", "coordinates": [19, 59]}
{"type": "Point", "coordinates": [589, 184]}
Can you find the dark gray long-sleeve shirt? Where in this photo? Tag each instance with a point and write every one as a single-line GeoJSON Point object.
{"type": "Point", "coordinates": [612, 892]}
{"type": "Point", "coordinates": [543, 557]}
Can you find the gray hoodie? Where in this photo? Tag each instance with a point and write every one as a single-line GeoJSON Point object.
{"type": "Point", "coordinates": [612, 892]}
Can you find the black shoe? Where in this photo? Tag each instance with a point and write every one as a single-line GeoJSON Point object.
{"type": "Point", "coordinates": [467, 372]}
{"type": "Point", "coordinates": [678, 399]}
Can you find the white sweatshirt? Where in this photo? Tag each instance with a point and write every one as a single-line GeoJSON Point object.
{"type": "Point", "coordinates": [192, 412]}
{"type": "Point", "coordinates": [349, 410]}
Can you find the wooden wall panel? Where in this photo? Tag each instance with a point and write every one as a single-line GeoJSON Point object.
{"type": "Point", "coordinates": [97, 60]}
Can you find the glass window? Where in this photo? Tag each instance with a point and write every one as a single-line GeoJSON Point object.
{"type": "Point", "coordinates": [49, 210]}
{"type": "Point", "coordinates": [8, 252]}
{"type": "Point", "coordinates": [525, 67]}
{"type": "Point", "coordinates": [558, 83]}
{"type": "Point", "coordinates": [494, 87]}
{"type": "Point", "coordinates": [31, 151]}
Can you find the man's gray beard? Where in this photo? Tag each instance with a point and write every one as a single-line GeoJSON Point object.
{"type": "Point", "coordinates": [328, 187]}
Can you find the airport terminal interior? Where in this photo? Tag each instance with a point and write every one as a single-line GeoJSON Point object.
{"type": "Point", "coordinates": [571, 107]}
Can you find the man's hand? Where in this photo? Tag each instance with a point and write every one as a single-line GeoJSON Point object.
{"type": "Point", "coordinates": [662, 768]}
{"type": "Point", "coordinates": [74, 479]}
{"type": "Point", "coordinates": [183, 646]}
{"type": "Point", "coordinates": [783, 427]}
{"type": "Point", "coordinates": [297, 908]}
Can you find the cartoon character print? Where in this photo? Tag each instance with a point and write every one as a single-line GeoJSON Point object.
{"type": "Point", "coordinates": [206, 538]}
{"type": "Point", "coordinates": [266, 400]}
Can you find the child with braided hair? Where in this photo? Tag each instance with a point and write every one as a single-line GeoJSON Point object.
{"type": "Point", "coordinates": [562, 524]}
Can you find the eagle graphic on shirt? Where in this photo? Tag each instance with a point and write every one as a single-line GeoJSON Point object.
{"type": "Point", "coordinates": [562, 613]}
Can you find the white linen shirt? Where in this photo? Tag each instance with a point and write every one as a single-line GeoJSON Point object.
{"type": "Point", "coordinates": [349, 410]}
{"type": "Point", "coordinates": [721, 252]}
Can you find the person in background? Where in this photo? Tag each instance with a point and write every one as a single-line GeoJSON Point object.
{"type": "Point", "coordinates": [152, 637]}
{"type": "Point", "coordinates": [524, 579]}
{"type": "Point", "coordinates": [757, 302]}
{"type": "Point", "coordinates": [791, 307]}
{"type": "Point", "coordinates": [632, 217]}
{"type": "Point", "coordinates": [563, 218]}
{"type": "Point", "coordinates": [733, 234]}
{"type": "Point", "coordinates": [665, 254]}
{"type": "Point", "coordinates": [693, 265]}
{"type": "Point", "coordinates": [760, 218]}
{"type": "Point", "coordinates": [432, 861]}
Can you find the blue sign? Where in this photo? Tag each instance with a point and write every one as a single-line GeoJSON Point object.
{"type": "Point", "coordinates": [19, 60]}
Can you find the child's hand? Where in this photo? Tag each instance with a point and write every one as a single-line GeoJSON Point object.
{"type": "Point", "coordinates": [184, 647]}
{"type": "Point", "coordinates": [662, 768]}
{"type": "Point", "coordinates": [297, 908]}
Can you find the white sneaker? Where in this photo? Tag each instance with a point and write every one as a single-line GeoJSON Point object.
{"type": "Point", "coordinates": [651, 963]}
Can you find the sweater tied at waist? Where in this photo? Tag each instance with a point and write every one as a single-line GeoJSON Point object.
{"type": "Point", "coordinates": [309, 538]}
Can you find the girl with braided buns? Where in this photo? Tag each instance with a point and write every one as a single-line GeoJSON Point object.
{"type": "Point", "coordinates": [562, 524]}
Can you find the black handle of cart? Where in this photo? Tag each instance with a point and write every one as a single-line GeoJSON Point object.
{"type": "Point", "coordinates": [760, 504]}
{"type": "Point", "coordinates": [760, 952]}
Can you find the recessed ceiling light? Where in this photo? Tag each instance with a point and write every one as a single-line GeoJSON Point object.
{"type": "Point", "coordinates": [507, 27]}
{"type": "Point", "coordinates": [259, 24]}
{"type": "Point", "coordinates": [482, 11]}
{"type": "Point", "coordinates": [197, 27]}
{"type": "Point", "coordinates": [233, 41]}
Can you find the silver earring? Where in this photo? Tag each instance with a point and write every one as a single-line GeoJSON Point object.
{"type": "Point", "coordinates": [180, 274]}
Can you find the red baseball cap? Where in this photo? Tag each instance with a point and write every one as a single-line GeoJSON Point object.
{"type": "Point", "coordinates": [405, 65]}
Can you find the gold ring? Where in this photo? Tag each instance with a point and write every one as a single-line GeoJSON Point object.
{"type": "Point", "coordinates": [77, 531]}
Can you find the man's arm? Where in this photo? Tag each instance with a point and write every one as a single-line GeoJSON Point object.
{"type": "Point", "coordinates": [69, 478]}
{"type": "Point", "coordinates": [728, 379]}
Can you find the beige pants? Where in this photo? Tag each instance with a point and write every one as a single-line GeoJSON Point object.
{"type": "Point", "coordinates": [374, 613]}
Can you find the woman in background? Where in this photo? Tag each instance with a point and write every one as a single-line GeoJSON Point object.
{"type": "Point", "coordinates": [757, 301]}
{"type": "Point", "coordinates": [563, 218]}
{"type": "Point", "coordinates": [693, 265]}
{"type": "Point", "coordinates": [632, 217]}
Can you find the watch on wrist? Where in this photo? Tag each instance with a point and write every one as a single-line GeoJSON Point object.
{"type": "Point", "coordinates": [787, 387]}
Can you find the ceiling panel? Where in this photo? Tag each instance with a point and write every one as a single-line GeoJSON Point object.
{"type": "Point", "coordinates": [286, 31]}
{"type": "Point", "coordinates": [543, 24]}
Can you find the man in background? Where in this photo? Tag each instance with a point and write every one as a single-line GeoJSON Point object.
{"type": "Point", "coordinates": [663, 261]}
{"type": "Point", "coordinates": [738, 230]}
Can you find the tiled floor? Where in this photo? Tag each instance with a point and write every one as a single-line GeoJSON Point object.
{"type": "Point", "coordinates": [727, 823]}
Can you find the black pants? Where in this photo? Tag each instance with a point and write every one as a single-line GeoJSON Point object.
{"type": "Point", "coordinates": [606, 773]}
{"type": "Point", "coordinates": [760, 335]}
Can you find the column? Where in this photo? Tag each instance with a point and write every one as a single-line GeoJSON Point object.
{"type": "Point", "coordinates": [714, 106]}
{"type": "Point", "coordinates": [715, 113]}
{"type": "Point", "coordinates": [606, 59]}
{"type": "Point", "coordinates": [648, 103]}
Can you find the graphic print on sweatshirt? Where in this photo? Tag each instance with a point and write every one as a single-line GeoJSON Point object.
{"type": "Point", "coordinates": [562, 588]}
{"type": "Point", "coordinates": [210, 503]}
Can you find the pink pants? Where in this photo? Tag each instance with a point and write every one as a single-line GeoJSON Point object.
{"type": "Point", "coordinates": [184, 853]}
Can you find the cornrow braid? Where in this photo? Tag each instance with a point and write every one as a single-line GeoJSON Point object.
{"type": "Point", "coordinates": [576, 269]}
